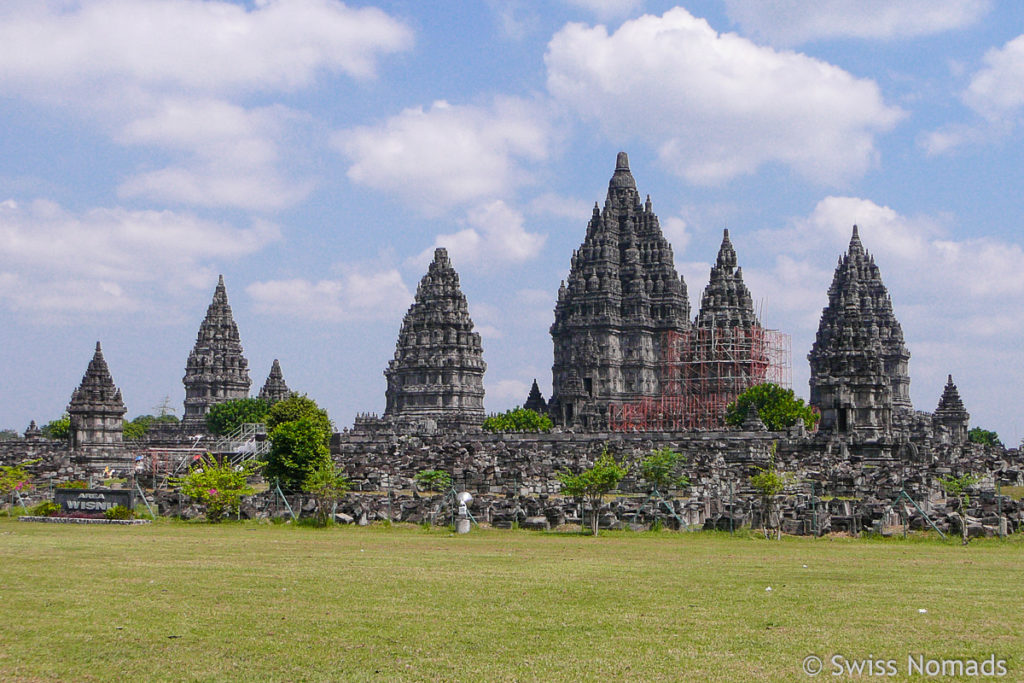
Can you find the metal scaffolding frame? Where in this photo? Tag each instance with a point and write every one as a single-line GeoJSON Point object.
{"type": "Point", "coordinates": [702, 371]}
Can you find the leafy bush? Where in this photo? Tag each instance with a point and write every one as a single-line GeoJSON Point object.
{"type": "Point", "coordinates": [660, 469]}
{"type": "Point", "coordinates": [297, 449]}
{"type": "Point", "coordinates": [433, 480]}
{"type": "Point", "coordinates": [593, 483]}
{"type": "Point", "coordinates": [139, 426]}
{"type": "Point", "coordinates": [518, 420]}
{"type": "Point", "coordinates": [327, 486]}
{"type": "Point", "coordinates": [778, 408]}
{"type": "Point", "coordinates": [76, 484]}
{"type": "Point", "coordinates": [15, 478]}
{"type": "Point", "coordinates": [296, 407]}
{"type": "Point", "coordinates": [224, 418]}
{"type": "Point", "coordinates": [46, 508]}
{"type": "Point", "coordinates": [218, 486]}
{"type": "Point", "coordinates": [59, 428]}
{"type": "Point", "coordinates": [118, 512]}
{"type": "Point", "coordinates": [983, 436]}
{"type": "Point", "coordinates": [770, 482]}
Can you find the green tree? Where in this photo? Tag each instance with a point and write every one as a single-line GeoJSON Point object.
{"type": "Point", "coordinates": [327, 485]}
{"type": "Point", "coordinates": [661, 469]}
{"type": "Point", "coordinates": [9, 435]}
{"type": "Point", "coordinates": [298, 406]}
{"type": "Point", "coordinates": [297, 448]}
{"type": "Point", "coordinates": [433, 480]}
{"type": "Point", "coordinates": [959, 487]}
{"type": "Point", "coordinates": [518, 420]}
{"type": "Point", "coordinates": [770, 482]}
{"type": "Point", "coordinates": [226, 417]}
{"type": "Point", "coordinates": [983, 436]}
{"type": "Point", "coordinates": [139, 426]}
{"type": "Point", "coordinates": [15, 478]}
{"type": "Point", "coordinates": [593, 483]}
{"type": "Point", "coordinates": [217, 486]}
{"type": "Point", "coordinates": [778, 408]}
{"type": "Point", "coordinates": [59, 428]}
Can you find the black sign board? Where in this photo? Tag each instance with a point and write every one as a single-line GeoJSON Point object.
{"type": "Point", "coordinates": [92, 501]}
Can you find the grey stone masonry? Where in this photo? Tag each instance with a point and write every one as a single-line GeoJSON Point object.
{"type": "Point", "coordinates": [621, 296]}
{"type": "Point", "coordinates": [275, 389]}
{"type": "Point", "coordinates": [216, 370]}
{"type": "Point", "coordinates": [535, 401]}
{"type": "Point", "coordinates": [96, 409]}
{"type": "Point", "coordinates": [438, 369]}
{"type": "Point", "coordinates": [726, 302]}
{"type": "Point", "coordinates": [951, 417]}
{"type": "Point", "coordinates": [859, 364]}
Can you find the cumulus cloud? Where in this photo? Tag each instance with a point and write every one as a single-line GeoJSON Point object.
{"type": "Point", "coordinates": [506, 391]}
{"type": "Point", "coordinates": [716, 106]}
{"type": "Point", "coordinates": [495, 235]}
{"type": "Point", "coordinates": [448, 154]}
{"type": "Point", "coordinates": [792, 22]}
{"type": "Point", "coordinates": [57, 50]}
{"type": "Point", "coordinates": [357, 295]}
{"type": "Point", "coordinates": [170, 74]}
{"type": "Point", "coordinates": [107, 259]}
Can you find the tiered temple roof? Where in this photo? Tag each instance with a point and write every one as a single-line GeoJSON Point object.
{"type": "Point", "coordinates": [622, 294]}
{"type": "Point", "coordinates": [438, 368]}
{"type": "Point", "coordinates": [535, 401]}
{"type": "Point", "coordinates": [275, 389]}
{"type": "Point", "coordinates": [951, 414]}
{"type": "Point", "coordinates": [726, 301]}
{"type": "Point", "coordinates": [216, 370]}
{"type": "Point", "coordinates": [859, 362]}
{"type": "Point", "coordinates": [96, 408]}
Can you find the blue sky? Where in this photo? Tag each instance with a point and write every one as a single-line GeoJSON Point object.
{"type": "Point", "coordinates": [316, 152]}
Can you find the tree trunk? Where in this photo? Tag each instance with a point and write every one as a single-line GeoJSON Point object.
{"type": "Point", "coordinates": [595, 515]}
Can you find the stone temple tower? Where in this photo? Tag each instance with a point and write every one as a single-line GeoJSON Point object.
{"type": "Point", "coordinates": [951, 416]}
{"type": "Point", "coordinates": [96, 409]}
{"type": "Point", "coordinates": [726, 302]}
{"type": "Point", "coordinates": [275, 389]}
{"type": "Point", "coordinates": [859, 364]}
{"type": "Point", "coordinates": [216, 370]}
{"type": "Point", "coordinates": [621, 297]}
{"type": "Point", "coordinates": [437, 373]}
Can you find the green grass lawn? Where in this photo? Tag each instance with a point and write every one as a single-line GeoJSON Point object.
{"type": "Point", "coordinates": [178, 601]}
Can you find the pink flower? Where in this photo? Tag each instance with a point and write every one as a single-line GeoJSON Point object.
{"type": "Point", "coordinates": [212, 492]}
{"type": "Point", "coordinates": [18, 487]}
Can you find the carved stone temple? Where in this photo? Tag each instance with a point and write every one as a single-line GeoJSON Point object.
{"type": "Point", "coordinates": [859, 363]}
{"type": "Point", "coordinates": [622, 294]}
{"type": "Point", "coordinates": [275, 389]}
{"type": "Point", "coordinates": [436, 376]}
{"type": "Point", "coordinates": [96, 409]}
{"type": "Point", "coordinates": [951, 419]}
{"type": "Point", "coordinates": [216, 370]}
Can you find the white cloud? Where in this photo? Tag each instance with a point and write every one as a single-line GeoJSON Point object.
{"type": "Point", "coordinates": [562, 207]}
{"type": "Point", "coordinates": [605, 10]}
{"type": "Point", "coordinates": [357, 295]}
{"type": "Point", "coordinates": [448, 154]}
{"type": "Point", "coordinates": [495, 236]}
{"type": "Point", "coordinates": [506, 390]}
{"type": "Point", "coordinates": [678, 234]}
{"type": "Point", "coordinates": [792, 22]}
{"type": "Point", "coordinates": [108, 259]}
{"type": "Point", "coordinates": [716, 105]}
{"type": "Point", "coordinates": [57, 50]}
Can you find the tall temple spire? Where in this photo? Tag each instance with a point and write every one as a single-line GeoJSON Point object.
{"type": "Point", "coordinates": [275, 389]}
{"type": "Point", "coordinates": [216, 370]}
{"type": "Point", "coordinates": [726, 301]}
{"type": "Point", "coordinates": [622, 295]}
{"type": "Point", "coordinates": [96, 409]}
{"type": "Point", "coordinates": [951, 415]}
{"type": "Point", "coordinates": [438, 369]}
{"type": "Point", "coordinates": [535, 401]}
{"type": "Point", "coordinates": [859, 363]}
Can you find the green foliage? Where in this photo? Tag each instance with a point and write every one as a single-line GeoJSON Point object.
{"type": "Point", "coordinates": [59, 428]}
{"type": "Point", "coordinates": [46, 508]}
{"type": "Point", "coordinates": [769, 482]}
{"type": "Point", "coordinates": [15, 477]}
{"type": "Point", "coordinates": [779, 408]}
{"type": "Point", "coordinates": [593, 483]}
{"type": "Point", "coordinates": [433, 480]}
{"type": "Point", "coordinates": [297, 407]}
{"type": "Point", "coordinates": [518, 420]}
{"type": "Point", "coordinates": [138, 426]}
{"type": "Point", "coordinates": [661, 469]}
{"type": "Point", "coordinates": [118, 512]}
{"type": "Point", "coordinates": [76, 484]}
{"type": "Point", "coordinates": [983, 436]}
{"type": "Point", "coordinates": [328, 486]}
{"type": "Point", "coordinates": [224, 418]}
{"type": "Point", "coordinates": [959, 487]}
{"type": "Point", "coordinates": [218, 486]}
{"type": "Point", "coordinates": [9, 435]}
{"type": "Point", "coordinates": [297, 448]}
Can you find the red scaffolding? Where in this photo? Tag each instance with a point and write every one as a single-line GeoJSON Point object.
{"type": "Point", "coordinates": [701, 372]}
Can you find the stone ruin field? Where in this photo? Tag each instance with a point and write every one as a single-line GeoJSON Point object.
{"type": "Point", "coordinates": [259, 601]}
